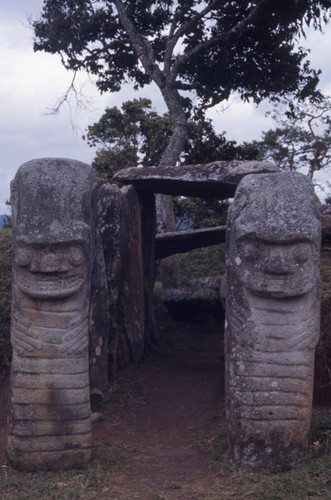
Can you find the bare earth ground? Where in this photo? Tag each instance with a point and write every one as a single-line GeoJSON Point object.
{"type": "Point", "coordinates": [173, 404]}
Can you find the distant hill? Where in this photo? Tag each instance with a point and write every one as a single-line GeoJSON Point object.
{"type": "Point", "coordinates": [3, 220]}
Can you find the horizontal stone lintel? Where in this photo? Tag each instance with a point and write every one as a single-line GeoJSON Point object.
{"type": "Point", "coordinates": [209, 180]}
{"type": "Point", "coordinates": [182, 241]}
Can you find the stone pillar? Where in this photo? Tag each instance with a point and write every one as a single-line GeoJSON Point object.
{"type": "Point", "coordinates": [99, 322]}
{"type": "Point", "coordinates": [53, 247]}
{"type": "Point", "coordinates": [148, 229]}
{"type": "Point", "coordinates": [272, 317]}
{"type": "Point", "coordinates": [120, 228]}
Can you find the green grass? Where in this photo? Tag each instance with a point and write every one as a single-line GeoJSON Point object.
{"type": "Point", "coordinates": [78, 484]}
{"type": "Point", "coordinates": [308, 479]}
{"type": "Point", "coordinates": [105, 477]}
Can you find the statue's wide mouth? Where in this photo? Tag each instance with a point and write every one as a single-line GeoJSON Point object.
{"type": "Point", "coordinates": [55, 287]}
{"type": "Point", "coordinates": [282, 286]}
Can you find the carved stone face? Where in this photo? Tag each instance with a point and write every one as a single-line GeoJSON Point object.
{"type": "Point", "coordinates": [274, 235]}
{"type": "Point", "coordinates": [52, 215]}
{"type": "Point", "coordinates": [276, 269]}
{"type": "Point", "coordinates": [52, 270]}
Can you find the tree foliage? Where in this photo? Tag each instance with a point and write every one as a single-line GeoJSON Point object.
{"type": "Point", "coordinates": [130, 136]}
{"type": "Point", "coordinates": [302, 141]}
{"type": "Point", "coordinates": [202, 262]}
{"type": "Point", "coordinates": [135, 135]}
{"type": "Point", "coordinates": [195, 213]}
{"type": "Point", "coordinates": [209, 47]}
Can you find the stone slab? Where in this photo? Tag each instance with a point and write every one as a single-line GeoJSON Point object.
{"type": "Point", "coordinates": [218, 179]}
{"type": "Point", "coordinates": [183, 241]}
{"type": "Point", "coordinates": [198, 296]}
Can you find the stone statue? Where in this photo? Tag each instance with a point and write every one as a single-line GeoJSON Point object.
{"type": "Point", "coordinates": [272, 317]}
{"type": "Point", "coordinates": [53, 246]}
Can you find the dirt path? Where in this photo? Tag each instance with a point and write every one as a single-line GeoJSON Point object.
{"type": "Point", "coordinates": [165, 413]}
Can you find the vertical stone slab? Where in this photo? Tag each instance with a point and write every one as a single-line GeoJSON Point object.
{"type": "Point", "coordinates": [132, 296]}
{"type": "Point", "coordinates": [53, 247]}
{"type": "Point", "coordinates": [119, 225]}
{"type": "Point", "coordinates": [148, 227]}
{"type": "Point", "coordinates": [99, 322]}
{"type": "Point", "coordinates": [272, 317]}
{"type": "Point", "coordinates": [109, 220]}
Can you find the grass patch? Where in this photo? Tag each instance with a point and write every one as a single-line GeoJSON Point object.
{"type": "Point", "coordinates": [105, 477]}
{"type": "Point", "coordinates": [84, 483]}
{"type": "Point", "coordinates": [308, 479]}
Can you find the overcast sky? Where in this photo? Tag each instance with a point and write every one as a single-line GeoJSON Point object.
{"type": "Point", "coordinates": [31, 83]}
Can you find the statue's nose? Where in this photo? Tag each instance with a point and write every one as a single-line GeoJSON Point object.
{"type": "Point", "coordinates": [48, 263]}
{"type": "Point", "coordinates": [278, 263]}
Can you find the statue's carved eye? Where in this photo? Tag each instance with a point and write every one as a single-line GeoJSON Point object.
{"type": "Point", "coordinates": [250, 250]}
{"type": "Point", "coordinates": [76, 256]}
{"type": "Point", "coordinates": [302, 253]}
{"type": "Point", "coordinates": [23, 256]}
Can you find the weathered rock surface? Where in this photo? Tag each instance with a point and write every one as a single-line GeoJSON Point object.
{"type": "Point", "coordinates": [210, 180]}
{"type": "Point", "coordinates": [322, 375]}
{"type": "Point", "coordinates": [53, 246]}
{"type": "Point", "coordinates": [326, 228]}
{"type": "Point", "coordinates": [148, 228]}
{"type": "Point", "coordinates": [99, 322]}
{"type": "Point", "coordinates": [119, 226]}
{"type": "Point", "coordinates": [183, 241]}
{"type": "Point", "coordinates": [272, 317]}
{"type": "Point", "coordinates": [198, 297]}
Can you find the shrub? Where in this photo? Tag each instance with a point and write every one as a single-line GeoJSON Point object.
{"type": "Point", "coordinates": [202, 262]}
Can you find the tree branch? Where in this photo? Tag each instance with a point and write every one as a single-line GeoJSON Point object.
{"type": "Point", "coordinates": [210, 42]}
{"type": "Point", "coordinates": [188, 25]}
{"type": "Point", "coordinates": [65, 98]}
{"type": "Point", "coordinates": [184, 28]}
{"type": "Point", "coordinates": [81, 101]}
{"type": "Point", "coordinates": [172, 39]}
{"type": "Point", "coordinates": [141, 46]}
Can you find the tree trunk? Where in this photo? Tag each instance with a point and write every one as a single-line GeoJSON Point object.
{"type": "Point", "coordinates": [169, 268]}
{"type": "Point", "coordinates": [165, 80]}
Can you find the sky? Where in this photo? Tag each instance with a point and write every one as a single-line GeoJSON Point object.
{"type": "Point", "coordinates": [31, 83]}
